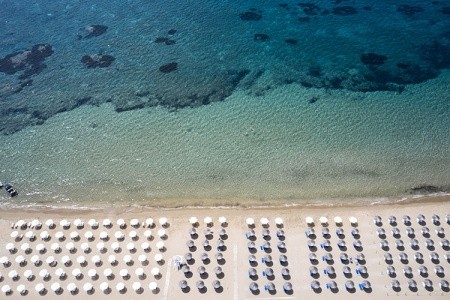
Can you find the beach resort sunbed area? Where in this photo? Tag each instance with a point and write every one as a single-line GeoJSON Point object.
{"type": "Point", "coordinates": [398, 250]}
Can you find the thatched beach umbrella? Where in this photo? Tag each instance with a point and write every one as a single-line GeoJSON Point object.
{"type": "Point", "coordinates": [377, 221]}
{"type": "Point", "coordinates": [328, 256]}
{"type": "Point", "coordinates": [392, 220]}
{"type": "Point", "coordinates": [338, 220]}
{"type": "Point", "coordinates": [444, 284]}
{"type": "Point", "coordinates": [325, 231]}
{"type": "Point", "coordinates": [200, 284]}
{"type": "Point", "coordinates": [406, 220]}
{"type": "Point", "coordinates": [448, 219]}
{"type": "Point", "coordinates": [205, 244]}
{"type": "Point", "coordinates": [269, 272]}
{"type": "Point", "coordinates": [395, 232]}
{"type": "Point", "coordinates": [253, 286]}
{"type": "Point", "coordinates": [267, 259]}
{"type": "Point", "coordinates": [283, 259]}
{"type": "Point", "coordinates": [207, 232]}
{"type": "Point", "coordinates": [395, 283]}
{"type": "Point", "coordinates": [366, 284]}
{"type": "Point", "coordinates": [204, 256]}
{"type": "Point", "coordinates": [340, 232]}
{"type": "Point", "coordinates": [287, 286]}
{"type": "Point", "coordinates": [332, 285]}
{"type": "Point", "coordinates": [183, 284]}
{"type": "Point", "coordinates": [425, 230]}
{"type": "Point", "coordinates": [346, 270]}
{"type": "Point", "coordinates": [315, 285]}
{"type": "Point", "coordinates": [421, 219]}
{"type": "Point", "coordinates": [429, 243]}
{"type": "Point", "coordinates": [285, 272]}
{"type": "Point", "coordinates": [341, 244]}
{"type": "Point", "coordinates": [418, 256]}
{"type": "Point", "coordinates": [427, 283]}
{"type": "Point", "coordinates": [326, 244]}
{"type": "Point", "coordinates": [265, 233]}
{"type": "Point", "coordinates": [355, 233]}
{"type": "Point", "coordinates": [280, 233]}
{"type": "Point", "coordinates": [330, 270]}
{"type": "Point", "coordinates": [250, 233]}
{"type": "Point", "coordinates": [414, 243]}
{"type": "Point", "coordinates": [218, 270]}
{"type": "Point", "coordinates": [444, 243]}
{"type": "Point", "coordinates": [343, 257]}
{"type": "Point", "coordinates": [403, 256]}
{"type": "Point", "coordinates": [201, 270]}
{"type": "Point", "coordinates": [193, 221]}
{"type": "Point", "coordinates": [251, 259]}
{"type": "Point", "coordinates": [270, 286]}
{"type": "Point", "coordinates": [407, 270]}
{"type": "Point", "coordinates": [410, 231]}
{"type": "Point", "coordinates": [208, 221]}
{"type": "Point", "coordinates": [281, 245]}
{"type": "Point", "coordinates": [439, 270]}
{"type": "Point", "coordinates": [434, 256]}
{"type": "Point", "coordinates": [391, 271]}
{"type": "Point", "coordinates": [412, 284]}
{"type": "Point", "coordinates": [312, 257]}
{"type": "Point", "coordinates": [440, 231]}
{"type": "Point", "coordinates": [219, 256]}
{"type": "Point", "coordinates": [399, 244]}
{"type": "Point", "coordinates": [266, 245]}
{"type": "Point", "coordinates": [310, 232]}
{"type": "Point", "coordinates": [251, 245]}
{"type": "Point", "coordinates": [186, 269]}
{"type": "Point", "coordinates": [384, 244]}
{"type": "Point", "coordinates": [388, 257]}
{"type": "Point", "coordinates": [381, 232]}
{"type": "Point", "coordinates": [357, 244]}
{"type": "Point", "coordinates": [311, 243]}
{"type": "Point", "coordinates": [216, 284]}
{"type": "Point", "coordinates": [222, 232]}
{"type": "Point", "coordinates": [222, 221]}
{"type": "Point", "coordinates": [313, 271]}
{"type": "Point", "coordinates": [349, 285]}
{"type": "Point", "coordinates": [252, 272]}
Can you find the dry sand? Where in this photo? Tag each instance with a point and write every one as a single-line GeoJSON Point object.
{"type": "Point", "coordinates": [235, 280]}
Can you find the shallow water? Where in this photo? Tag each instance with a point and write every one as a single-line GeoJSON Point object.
{"type": "Point", "coordinates": [242, 119]}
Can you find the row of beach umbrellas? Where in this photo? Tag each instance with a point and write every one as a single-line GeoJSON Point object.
{"type": "Point", "coordinates": [421, 220]}
{"type": "Point", "coordinates": [337, 220]}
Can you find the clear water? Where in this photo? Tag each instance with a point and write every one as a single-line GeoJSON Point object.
{"type": "Point", "coordinates": [243, 119]}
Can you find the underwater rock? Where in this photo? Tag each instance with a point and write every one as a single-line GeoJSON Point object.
{"type": "Point", "coordinates": [171, 31]}
{"type": "Point", "coordinates": [344, 10]}
{"type": "Point", "coordinates": [97, 61]}
{"type": "Point", "coordinates": [409, 10]}
{"type": "Point", "coordinates": [445, 10]}
{"type": "Point", "coordinates": [170, 67]}
{"type": "Point", "coordinates": [167, 41]}
{"type": "Point", "coordinates": [250, 16]}
{"type": "Point", "coordinates": [373, 59]}
{"type": "Point", "coordinates": [304, 19]}
{"type": "Point", "coordinates": [261, 37]}
{"type": "Point", "coordinates": [403, 66]}
{"type": "Point", "coordinates": [284, 5]}
{"type": "Point", "coordinates": [95, 30]}
{"type": "Point", "coordinates": [426, 189]}
{"type": "Point", "coordinates": [29, 60]}
{"type": "Point", "coordinates": [367, 8]}
{"type": "Point", "coordinates": [291, 41]}
{"type": "Point", "coordinates": [437, 54]}
{"type": "Point", "coordinates": [310, 9]}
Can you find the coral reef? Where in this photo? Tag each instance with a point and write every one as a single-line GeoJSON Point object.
{"type": "Point", "coordinates": [97, 61]}
{"type": "Point", "coordinates": [170, 67]}
{"type": "Point", "coordinates": [29, 61]}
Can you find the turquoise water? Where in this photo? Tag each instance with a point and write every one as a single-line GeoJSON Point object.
{"type": "Point", "coordinates": [219, 102]}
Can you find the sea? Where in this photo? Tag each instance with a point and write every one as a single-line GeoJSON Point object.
{"type": "Point", "coordinates": [223, 103]}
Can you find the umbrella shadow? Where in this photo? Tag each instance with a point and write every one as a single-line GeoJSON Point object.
{"type": "Point", "coordinates": [219, 290]}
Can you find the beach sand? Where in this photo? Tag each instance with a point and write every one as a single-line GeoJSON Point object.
{"type": "Point", "coordinates": [235, 280]}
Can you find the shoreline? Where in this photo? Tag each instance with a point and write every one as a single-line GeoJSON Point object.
{"type": "Point", "coordinates": [353, 203]}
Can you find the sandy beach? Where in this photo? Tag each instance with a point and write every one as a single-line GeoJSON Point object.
{"type": "Point", "coordinates": [282, 268]}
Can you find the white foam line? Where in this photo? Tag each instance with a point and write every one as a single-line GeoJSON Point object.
{"type": "Point", "coordinates": [271, 298]}
{"type": "Point", "coordinates": [235, 256]}
{"type": "Point", "coordinates": [166, 287]}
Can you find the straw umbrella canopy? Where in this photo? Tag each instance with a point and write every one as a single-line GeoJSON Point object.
{"type": "Point", "coordinates": [448, 219]}
{"type": "Point", "coordinates": [264, 221]}
{"type": "Point", "coordinates": [326, 243]}
{"type": "Point", "coordinates": [253, 286]}
{"type": "Point", "coordinates": [269, 272]}
{"type": "Point", "coordinates": [315, 285]}
{"type": "Point", "coordinates": [149, 222]}
{"type": "Point", "coordinates": [309, 221]}
{"type": "Point", "coordinates": [363, 269]}
{"type": "Point", "coordinates": [104, 286]}
{"type": "Point", "coordinates": [285, 272]}
{"type": "Point", "coordinates": [251, 258]}
{"type": "Point", "coordinates": [357, 244]}
{"type": "Point", "coordinates": [313, 271]}
{"type": "Point", "coordinates": [439, 231]}
{"type": "Point", "coordinates": [222, 232]}
{"type": "Point", "coordinates": [410, 231]}
{"type": "Point", "coordinates": [183, 284]}
{"type": "Point", "coordinates": [265, 233]}
{"type": "Point", "coordinates": [406, 220]}
{"type": "Point", "coordinates": [381, 232]}
{"type": "Point", "coordinates": [395, 283]}
{"type": "Point", "coordinates": [200, 284]}
{"type": "Point", "coordinates": [270, 286]}
{"type": "Point", "coordinates": [407, 270]}
{"type": "Point", "coordinates": [439, 270]}
{"type": "Point", "coordinates": [366, 284]}
{"type": "Point", "coordinates": [444, 284]}
{"type": "Point", "coordinates": [251, 245]}
{"type": "Point", "coordinates": [218, 270]}
{"type": "Point", "coordinates": [252, 272]}
{"type": "Point", "coordinates": [201, 270]}
{"type": "Point", "coordinates": [414, 243]}
{"type": "Point", "coordinates": [311, 243]}
{"type": "Point", "coordinates": [338, 220]}
{"type": "Point", "coordinates": [328, 256]}
{"type": "Point", "coordinates": [377, 220]}
{"type": "Point", "coordinates": [222, 220]}
{"type": "Point", "coordinates": [412, 283]}
{"type": "Point", "coordinates": [280, 233]}
{"type": "Point", "coordinates": [325, 231]}
{"type": "Point", "coordinates": [429, 243]}
{"type": "Point", "coordinates": [346, 270]}
{"type": "Point", "coordinates": [310, 232]}
{"type": "Point", "coordinates": [390, 270]}
{"type": "Point", "coordinates": [312, 257]}
{"type": "Point", "coordinates": [341, 244]}
{"type": "Point", "coordinates": [343, 257]}
{"type": "Point", "coordinates": [353, 221]}
{"type": "Point", "coordinates": [384, 244]}
{"type": "Point", "coordinates": [388, 257]}
{"type": "Point", "coordinates": [424, 230]}
{"type": "Point", "coordinates": [283, 259]}
{"type": "Point", "coordinates": [421, 219]}
{"type": "Point", "coordinates": [399, 244]}
{"type": "Point", "coordinates": [332, 284]}
{"type": "Point", "coordinates": [330, 270]}
{"type": "Point", "coordinates": [281, 245]}
{"type": "Point", "coordinates": [134, 223]}
{"type": "Point", "coordinates": [349, 284]}
{"type": "Point", "coordinates": [207, 220]}
{"type": "Point", "coordinates": [323, 220]}
{"type": "Point", "coordinates": [427, 283]}
{"type": "Point", "coordinates": [204, 256]}
{"type": "Point", "coordinates": [433, 256]}
{"type": "Point", "coordinates": [355, 232]}
{"type": "Point", "coordinates": [444, 243]}
{"type": "Point", "coordinates": [419, 256]}
{"type": "Point", "coordinates": [216, 284]}
{"type": "Point", "coordinates": [287, 286]}
{"type": "Point", "coordinates": [395, 231]}
{"type": "Point", "coordinates": [403, 256]}
{"type": "Point", "coordinates": [266, 245]}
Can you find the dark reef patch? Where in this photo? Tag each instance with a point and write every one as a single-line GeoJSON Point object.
{"type": "Point", "coordinates": [367, 8]}
{"type": "Point", "coordinates": [250, 16]}
{"type": "Point", "coordinates": [167, 68]}
{"type": "Point", "coordinates": [97, 61]}
{"type": "Point", "coordinates": [409, 10]}
{"type": "Point", "coordinates": [291, 41]}
{"type": "Point", "coordinates": [167, 41]}
{"type": "Point", "coordinates": [284, 5]}
{"type": "Point", "coordinates": [426, 189]}
{"type": "Point", "coordinates": [437, 54]}
{"type": "Point", "coordinates": [29, 61]}
{"type": "Point", "coordinates": [262, 37]}
{"type": "Point", "coordinates": [304, 19]}
{"type": "Point", "coordinates": [445, 10]}
{"type": "Point", "coordinates": [310, 9]}
{"type": "Point", "coordinates": [344, 10]}
{"type": "Point", "coordinates": [373, 59]}
{"type": "Point", "coordinates": [171, 31]}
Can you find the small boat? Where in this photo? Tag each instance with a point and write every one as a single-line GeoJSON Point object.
{"type": "Point", "coordinates": [9, 188]}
